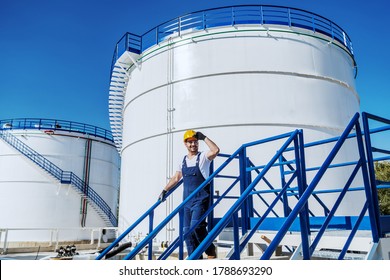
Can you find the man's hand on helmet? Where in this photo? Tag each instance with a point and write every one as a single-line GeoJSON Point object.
{"type": "Point", "coordinates": [200, 136]}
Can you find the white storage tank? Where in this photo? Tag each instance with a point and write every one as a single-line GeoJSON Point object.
{"type": "Point", "coordinates": [237, 74]}
{"type": "Point", "coordinates": [37, 198]}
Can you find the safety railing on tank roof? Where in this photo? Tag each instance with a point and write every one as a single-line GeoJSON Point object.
{"type": "Point", "coordinates": [55, 125]}
{"type": "Point", "coordinates": [65, 177]}
{"type": "Point", "coordinates": [231, 16]}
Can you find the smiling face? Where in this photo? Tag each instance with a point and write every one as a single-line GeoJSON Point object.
{"type": "Point", "coordinates": [192, 146]}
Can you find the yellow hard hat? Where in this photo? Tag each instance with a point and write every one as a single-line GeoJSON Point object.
{"type": "Point", "coordinates": [189, 134]}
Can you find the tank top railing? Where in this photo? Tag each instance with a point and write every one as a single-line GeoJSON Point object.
{"type": "Point", "coordinates": [231, 16]}
{"type": "Point", "coordinates": [65, 177]}
{"type": "Point", "coordinates": [55, 125]}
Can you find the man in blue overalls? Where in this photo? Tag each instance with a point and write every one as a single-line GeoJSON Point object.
{"type": "Point", "coordinates": [194, 169]}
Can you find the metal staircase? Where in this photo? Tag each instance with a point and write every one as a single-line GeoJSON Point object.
{"type": "Point", "coordinates": [121, 63]}
{"type": "Point", "coordinates": [64, 177]}
{"type": "Point", "coordinates": [284, 226]}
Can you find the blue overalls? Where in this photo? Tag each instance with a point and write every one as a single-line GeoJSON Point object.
{"type": "Point", "coordinates": [196, 207]}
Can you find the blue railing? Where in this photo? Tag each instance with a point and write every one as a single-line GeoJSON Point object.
{"type": "Point", "coordinates": [244, 203]}
{"type": "Point", "coordinates": [55, 125]}
{"type": "Point", "coordinates": [230, 16]}
{"type": "Point", "coordinates": [293, 184]}
{"type": "Point", "coordinates": [369, 205]}
{"type": "Point", "coordinates": [243, 206]}
{"type": "Point", "coordinates": [370, 150]}
{"type": "Point", "coordinates": [65, 177]}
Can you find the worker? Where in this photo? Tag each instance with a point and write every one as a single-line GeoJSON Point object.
{"type": "Point", "coordinates": [194, 169]}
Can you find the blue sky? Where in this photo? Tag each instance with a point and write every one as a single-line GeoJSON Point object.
{"type": "Point", "coordinates": [55, 55]}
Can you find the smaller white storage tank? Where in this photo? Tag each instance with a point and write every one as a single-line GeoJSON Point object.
{"type": "Point", "coordinates": [56, 178]}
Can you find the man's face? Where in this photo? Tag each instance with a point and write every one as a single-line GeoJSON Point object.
{"type": "Point", "coordinates": [192, 146]}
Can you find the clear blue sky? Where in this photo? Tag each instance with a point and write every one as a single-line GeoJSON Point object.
{"type": "Point", "coordinates": [55, 55]}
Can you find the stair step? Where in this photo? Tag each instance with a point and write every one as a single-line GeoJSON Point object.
{"type": "Point", "coordinates": [119, 79]}
{"type": "Point", "coordinates": [333, 254]}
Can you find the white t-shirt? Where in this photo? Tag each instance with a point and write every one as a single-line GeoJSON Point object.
{"type": "Point", "coordinates": [204, 163]}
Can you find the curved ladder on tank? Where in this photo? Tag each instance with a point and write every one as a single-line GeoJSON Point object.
{"type": "Point", "coordinates": [121, 63]}
{"type": "Point", "coordinates": [65, 177]}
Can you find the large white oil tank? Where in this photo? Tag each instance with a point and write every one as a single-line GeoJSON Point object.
{"type": "Point", "coordinates": [35, 205]}
{"type": "Point", "coordinates": [237, 74]}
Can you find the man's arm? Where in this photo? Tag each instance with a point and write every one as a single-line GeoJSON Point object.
{"type": "Point", "coordinates": [171, 183]}
{"type": "Point", "coordinates": [213, 148]}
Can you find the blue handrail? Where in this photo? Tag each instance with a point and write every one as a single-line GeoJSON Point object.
{"type": "Point", "coordinates": [65, 177]}
{"type": "Point", "coordinates": [247, 192]}
{"type": "Point", "coordinates": [160, 226]}
{"type": "Point", "coordinates": [55, 125]}
{"type": "Point", "coordinates": [230, 16]}
{"type": "Point", "coordinates": [240, 154]}
{"type": "Point", "coordinates": [308, 192]}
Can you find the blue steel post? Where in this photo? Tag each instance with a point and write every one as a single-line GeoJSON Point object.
{"type": "Point", "coordinates": [250, 198]}
{"type": "Point", "coordinates": [126, 45]}
{"type": "Point", "coordinates": [150, 249]}
{"type": "Point", "coordinates": [312, 21]}
{"type": "Point", "coordinates": [243, 186]}
{"type": "Point", "coordinates": [289, 16]}
{"type": "Point", "coordinates": [181, 234]}
{"type": "Point", "coordinates": [157, 34]}
{"type": "Point", "coordinates": [371, 169]}
{"type": "Point", "coordinates": [261, 15]}
{"type": "Point", "coordinates": [304, 213]}
{"type": "Point", "coordinates": [286, 210]}
{"type": "Point", "coordinates": [367, 185]}
{"type": "Point", "coordinates": [236, 238]}
{"type": "Point", "coordinates": [210, 217]}
{"type": "Point", "coordinates": [179, 26]}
